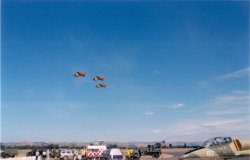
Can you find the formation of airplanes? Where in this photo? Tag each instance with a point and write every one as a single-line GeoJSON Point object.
{"type": "Point", "coordinates": [220, 147]}
{"type": "Point", "coordinates": [97, 78]}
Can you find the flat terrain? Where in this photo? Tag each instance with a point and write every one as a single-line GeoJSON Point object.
{"type": "Point", "coordinates": [22, 153]}
{"type": "Point", "coordinates": [167, 154]}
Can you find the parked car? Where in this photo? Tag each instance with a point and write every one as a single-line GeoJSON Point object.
{"type": "Point", "coordinates": [6, 155]}
{"type": "Point", "coordinates": [10, 153]}
{"type": "Point", "coordinates": [31, 153]}
{"type": "Point", "coordinates": [66, 154]}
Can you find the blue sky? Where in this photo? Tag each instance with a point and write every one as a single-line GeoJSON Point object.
{"type": "Point", "coordinates": [176, 70]}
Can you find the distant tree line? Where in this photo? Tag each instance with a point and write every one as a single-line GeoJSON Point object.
{"type": "Point", "coordinates": [182, 146]}
{"type": "Point", "coordinates": [50, 146]}
{"type": "Point", "coordinates": [109, 146]}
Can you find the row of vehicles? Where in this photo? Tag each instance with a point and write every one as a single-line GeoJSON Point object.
{"type": "Point", "coordinates": [100, 151]}
{"type": "Point", "coordinates": [97, 151]}
{"type": "Point", "coordinates": [93, 152]}
{"type": "Point", "coordinates": [9, 153]}
{"type": "Point", "coordinates": [90, 152]}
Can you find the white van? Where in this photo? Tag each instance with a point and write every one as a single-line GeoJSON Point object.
{"type": "Point", "coordinates": [113, 154]}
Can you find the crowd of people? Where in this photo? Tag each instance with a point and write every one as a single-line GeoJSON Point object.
{"type": "Point", "coordinates": [44, 154]}
{"type": "Point", "coordinates": [48, 154]}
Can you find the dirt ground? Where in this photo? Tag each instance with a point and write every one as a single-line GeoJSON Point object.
{"type": "Point", "coordinates": [163, 156]}
{"type": "Point", "coordinates": [22, 153]}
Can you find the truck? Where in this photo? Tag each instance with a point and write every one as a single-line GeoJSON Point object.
{"type": "Point", "coordinates": [95, 150]}
{"type": "Point", "coordinates": [151, 150]}
{"type": "Point", "coordinates": [134, 153]}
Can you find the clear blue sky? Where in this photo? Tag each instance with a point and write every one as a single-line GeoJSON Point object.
{"type": "Point", "coordinates": [176, 70]}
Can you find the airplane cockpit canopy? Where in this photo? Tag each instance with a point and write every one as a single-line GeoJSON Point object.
{"type": "Point", "coordinates": [217, 141]}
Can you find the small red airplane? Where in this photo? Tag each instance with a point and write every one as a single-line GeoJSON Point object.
{"type": "Point", "coordinates": [101, 85]}
{"type": "Point", "coordinates": [78, 74]}
{"type": "Point", "coordinates": [99, 78]}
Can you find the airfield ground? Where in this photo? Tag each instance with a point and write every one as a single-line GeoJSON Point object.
{"type": "Point", "coordinates": [167, 154]}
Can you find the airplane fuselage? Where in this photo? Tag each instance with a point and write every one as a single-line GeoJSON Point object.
{"type": "Point", "coordinates": [235, 148]}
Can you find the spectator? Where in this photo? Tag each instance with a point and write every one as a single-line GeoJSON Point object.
{"type": "Point", "coordinates": [44, 154]}
{"type": "Point", "coordinates": [47, 155]}
{"type": "Point", "coordinates": [83, 152]}
{"type": "Point", "coordinates": [74, 155]}
{"type": "Point", "coordinates": [37, 154]}
{"type": "Point", "coordinates": [79, 156]}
